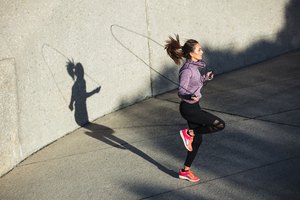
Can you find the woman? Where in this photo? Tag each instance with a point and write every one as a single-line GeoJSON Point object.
{"type": "Point", "coordinates": [191, 82]}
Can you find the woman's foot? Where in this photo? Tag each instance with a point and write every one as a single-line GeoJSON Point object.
{"type": "Point", "coordinates": [188, 175]}
{"type": "Point", "coordinates": [187, 139]}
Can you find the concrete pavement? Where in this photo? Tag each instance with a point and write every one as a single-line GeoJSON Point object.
{"type": "Point", "coordinates": [136, 152]}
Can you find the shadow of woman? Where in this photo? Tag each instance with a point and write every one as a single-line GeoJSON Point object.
{"type": "Point", "coordinates": [105, 134]}
{"type": "Point", "coordinates": [79, 94]}
{"type": "Point", "coordinates": [100, 132]}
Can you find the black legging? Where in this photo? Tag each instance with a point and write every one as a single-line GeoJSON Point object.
{"type": "Point", "coordinates": [201, 122]}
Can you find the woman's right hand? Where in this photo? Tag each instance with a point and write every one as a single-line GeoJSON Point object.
{"type": "Point", "coordinates": [195, 98]}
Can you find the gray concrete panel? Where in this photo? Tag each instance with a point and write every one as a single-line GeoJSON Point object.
{"type": "Point", "coordinates": [10, 151]}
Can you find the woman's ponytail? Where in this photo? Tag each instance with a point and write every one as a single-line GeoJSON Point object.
{"type": "Point", "coordinates": [174, 49]}
{"type": "Point", "coordinates": [177, 52]}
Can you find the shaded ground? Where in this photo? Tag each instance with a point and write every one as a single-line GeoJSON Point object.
{"type": "Point", "coordinates": [135, 153]}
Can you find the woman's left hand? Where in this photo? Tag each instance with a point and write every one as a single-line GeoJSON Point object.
{"type": "Point", "coordinates": [210, 75]}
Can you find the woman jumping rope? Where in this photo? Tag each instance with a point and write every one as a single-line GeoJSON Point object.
{"type": "Point", "coordinates": [191, 82]}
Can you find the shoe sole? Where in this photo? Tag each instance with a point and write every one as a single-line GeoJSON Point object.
{"type": "Point", "coordinates": [182, 137]}
{"type": "Point", "coordinates": [186, 178]}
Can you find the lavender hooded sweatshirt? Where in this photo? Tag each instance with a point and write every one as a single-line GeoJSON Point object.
{"type": "Point", "coordinates": [190, 80]}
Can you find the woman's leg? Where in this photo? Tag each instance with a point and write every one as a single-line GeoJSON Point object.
{"type": "Point", "coordinates": [200, 122]}
{"type": "Point", "coordinates": [204, 122]}
{"type": "Point", "coordinates": [197, 118]}
{"type": "Point", "coordinates": [199, 129]}
{"type": "Point", "coordinates": [191, 155]}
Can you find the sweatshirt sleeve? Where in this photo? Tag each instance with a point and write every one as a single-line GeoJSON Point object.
{"type": "Point", "coordinates": [184, 79]}
{"type": "Point", "coordinates": [204, 78]}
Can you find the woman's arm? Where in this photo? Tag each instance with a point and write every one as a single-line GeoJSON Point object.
{"type": "Point", "coordinates": [184, 80]}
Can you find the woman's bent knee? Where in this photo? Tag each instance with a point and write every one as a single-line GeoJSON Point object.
{"type": "Point", "coordinates": [220, 125]}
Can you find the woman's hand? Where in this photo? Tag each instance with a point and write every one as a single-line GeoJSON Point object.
{"type": "Point", "coordinates": [195, 98]}
{"type": "Point", "coordinates": [210, 75]}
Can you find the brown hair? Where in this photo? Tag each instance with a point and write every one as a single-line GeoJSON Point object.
{"type": "Point", "coordinates": [176, 51]}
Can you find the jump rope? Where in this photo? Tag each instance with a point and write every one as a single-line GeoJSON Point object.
{"type": "Point", "coordinates": [125, 47]}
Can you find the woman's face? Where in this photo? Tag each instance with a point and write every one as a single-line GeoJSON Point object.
{"type": "Point", "coordinates": [197, 53]}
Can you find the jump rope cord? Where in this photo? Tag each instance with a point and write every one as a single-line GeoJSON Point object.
{"type": "Point", "coordinates": [52, 75]}
{"type": "Point", "coordinates": [69, 60]}
{"type": "Point", "coordinates": [170, 80]}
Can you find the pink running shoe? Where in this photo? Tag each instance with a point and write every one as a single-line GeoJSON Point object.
{"type": "Point", "coordinates": [187, 139]}
{"type": "Point", "coordinates": [188, 175]}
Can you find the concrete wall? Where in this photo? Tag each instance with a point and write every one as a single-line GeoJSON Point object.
{"type": "Point", "coordinates": [116, 42]}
